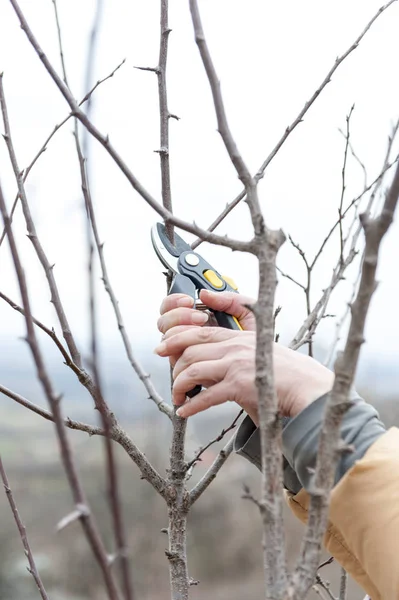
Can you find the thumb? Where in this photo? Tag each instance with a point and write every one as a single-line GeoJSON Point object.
{"type": "Point", "coordinates": [233, 304]}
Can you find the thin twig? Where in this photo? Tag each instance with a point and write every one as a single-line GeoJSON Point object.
{"type": "Point", "coordinates": [42, 412]}
{"type": "Point", "coordinates": [211, 473]}
{"type": "Point", "coordinates": [329, 561]}
{"type": "Point", "coordinates": [218, 438]}
{"type": "Point", "coordinates": [325, 586]}
{"type": "Point", "coordinates": [261, 171]}
{"type": "Point", "coordinates": [136, 365]}
{"type": "Point", "coordinates": [50, 332]}
{"type": "Point", "coordinates": [22, 532]}
{"type": "Point", "coordinates": [310, 324]}
{"type": "Point", "coordinates": [343, 187]}
{"type": "Point", "coordinates": [376, 183]}
{"type": "Point", "coordinates": [287, 276]}
{"type": "Point", "coordinates": [357, 159]}
{"type": "Point", "coordinates": [43, 147]}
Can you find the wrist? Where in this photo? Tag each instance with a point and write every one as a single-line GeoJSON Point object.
{"type": "Point", "coordinates": [310, 394]}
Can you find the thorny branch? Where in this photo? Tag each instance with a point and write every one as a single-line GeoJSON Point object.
{"type": "Point", "coordinates": [261, 171]}
{"type": "Point", "coordinates": [22, 532]}
{"type": "Point", "coordinates": [338, 402]}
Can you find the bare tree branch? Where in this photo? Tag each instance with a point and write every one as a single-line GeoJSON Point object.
{"type": "Point", "coordinates": [47, 267]}
{"type": "Point", "coordinates": [164, 116]}
{"type": "Point", "coordinates": [261, 171]}
{"type": "Point", "coordinates": [22, 532]}
{"type": "Point", "coordinates": [338, 402]}
{"type": "Point", "coordinates": [117, 434]}
{"type": "Point", "coordinates": [105, 142]}
{"type": "Point", "coordinates": [310, 324]}
{"type": "Point", "coordinates": [53, 399]}
{"type": "Point", "coordinates": [267, 244]}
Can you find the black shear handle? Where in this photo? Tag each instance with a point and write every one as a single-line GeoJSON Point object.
{"type": "Point", "coordinates": [183, 285]}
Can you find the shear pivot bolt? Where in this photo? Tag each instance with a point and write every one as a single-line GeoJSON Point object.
{"type": "Point", "coordinates": [192, 260]}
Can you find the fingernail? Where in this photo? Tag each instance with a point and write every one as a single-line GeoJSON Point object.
{"type": "Point", "coordinates": [185, 301]}
{"type": "Point", "coordinates": [179, 412]}
{"type": "Point", "coordinates": [160, 349]}
{"type": "Point", "coordinates": [200, 318]}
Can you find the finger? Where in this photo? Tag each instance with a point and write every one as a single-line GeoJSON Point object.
{"type": "Point", "coordinates": [176, 344]}
{"type": "Point", "coordinates": [205, 373]}
{"type": "Point", "coordinates": [214, 395]}
{"type": "Point", "coordinates": [231, 303]}
{"type": "Point", "coordinates": [199, 353]}
{"type": "Point", "coordinates": [181, 316]}
{"type": "Point", "coordinates": [175, 301]}
{"type": "Point", "coordinates": [178, 329]}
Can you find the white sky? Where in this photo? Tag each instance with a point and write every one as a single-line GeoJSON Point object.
{"type": "Point", "coordinates": [270, 57]}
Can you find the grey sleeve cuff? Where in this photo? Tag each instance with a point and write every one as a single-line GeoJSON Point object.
{"type": "Point", "coordinates": [247, 444]}
{"type": "Point", "coordinates": [360, 428]}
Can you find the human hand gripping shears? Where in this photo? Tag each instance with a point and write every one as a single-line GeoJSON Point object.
{"type": "Point", "coordinates": [191, 274]}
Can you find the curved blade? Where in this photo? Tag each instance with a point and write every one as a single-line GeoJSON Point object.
{"type": "Point", "coordinates": [166, 252]}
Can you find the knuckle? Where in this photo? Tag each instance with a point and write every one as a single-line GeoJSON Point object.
{"type": "Point", "coordinates": [192, 372]}
{"type": "Point", "coordinates": [188, 355]}
{"type": "Point", "coordinates": [161, 324]}
{"type": "Point", "coordinates": [206, 333]}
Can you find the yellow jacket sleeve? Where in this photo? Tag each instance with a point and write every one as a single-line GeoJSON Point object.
{"type": "Point", "coordinates": [363, 529]}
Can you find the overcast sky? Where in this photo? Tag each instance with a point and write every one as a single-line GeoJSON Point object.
{"type": "Point", "coordinates": [270, 57]}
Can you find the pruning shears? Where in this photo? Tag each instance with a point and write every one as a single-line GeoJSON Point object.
{"type": "Point", "coordinates": [191, 272]}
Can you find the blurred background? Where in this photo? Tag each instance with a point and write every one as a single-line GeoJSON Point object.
{"type": "Point", "coordinates": [270, 58]}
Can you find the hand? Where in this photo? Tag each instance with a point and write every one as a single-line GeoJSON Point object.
{"type": "Point", "coordinates": [224, 361]}
{"type": "Point", "coordinates": [177, 309]}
